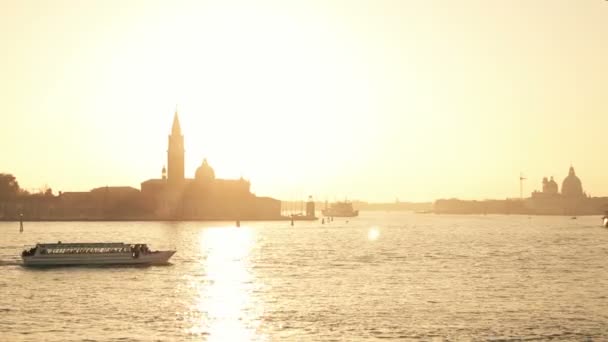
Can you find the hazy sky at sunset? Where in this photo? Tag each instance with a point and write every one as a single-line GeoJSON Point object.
{"type": "Point", "coordinates": [369, 100]}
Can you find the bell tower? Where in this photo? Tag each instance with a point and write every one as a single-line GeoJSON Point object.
{"type": "Point", "coordinates": [175, 154]}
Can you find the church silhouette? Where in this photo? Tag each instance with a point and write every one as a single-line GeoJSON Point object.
{"type": "Point", "coordinates": [172, 197]}
{"type": "Point", "coordinates": [204, 197]}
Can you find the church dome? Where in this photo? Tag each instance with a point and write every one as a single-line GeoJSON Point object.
{"type": "Point", "coordinates": [572, 186]}
{"type": "Point", "coordinates": [204, 173]}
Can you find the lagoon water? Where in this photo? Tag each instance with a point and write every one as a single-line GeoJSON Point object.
{"type": "Point", "coordinates": [383, 275]}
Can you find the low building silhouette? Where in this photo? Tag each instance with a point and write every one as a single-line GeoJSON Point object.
{"type": "Point", "coordinates": [549, 201]}
{"type": "Point", "coordinates": [204, 197]}
{"type": "Point", "coordinates": [571, 201]}
{"type": "Point", "coordinates": [457, 206]}
{"type": "Point", "coordinates": [171, 197]}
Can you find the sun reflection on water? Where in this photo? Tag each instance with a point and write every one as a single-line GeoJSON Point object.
{"type": "Point", "coordinates": [373, 234]}
{"type": "Point", "coordinates": [227, 311]}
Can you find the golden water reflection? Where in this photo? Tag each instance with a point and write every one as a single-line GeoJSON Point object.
{"type": "Point", "coordinates": [373, 233]}
{"type": "Point", "coordinates": [227, 310]}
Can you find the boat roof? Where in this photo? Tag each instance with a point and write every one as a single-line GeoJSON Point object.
{"type": "Point", "coordinates": [84, 245]}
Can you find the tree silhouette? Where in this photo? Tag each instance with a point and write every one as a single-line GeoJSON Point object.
{"type": "Point", "coordinates": [9, 187]}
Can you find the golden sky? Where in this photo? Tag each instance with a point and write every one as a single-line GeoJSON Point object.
{"type": "Point", "coordinates": [371, 100]}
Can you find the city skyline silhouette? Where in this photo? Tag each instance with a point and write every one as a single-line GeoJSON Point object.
{"type": "Point", "coordinates": [414, 100]}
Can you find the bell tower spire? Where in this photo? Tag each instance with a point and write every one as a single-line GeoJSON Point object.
{"type": "Point", "coordinates": [175, 153]}
{"type": "Point", "coordinates": [176, 129]}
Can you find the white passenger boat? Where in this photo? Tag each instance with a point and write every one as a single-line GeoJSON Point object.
{"type": "Point", "coordinates": [340, 209]}
{"type": "Point", "coordinates": [63, 254]}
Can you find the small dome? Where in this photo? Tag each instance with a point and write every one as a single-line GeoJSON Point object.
{"type": "Point", "coordinates": [572, 186]}
{"type": "Point", "coordinates": [552, 183]}
{"type": "Point", "coordinates": [205, 172]}
{"type": "Point", "coordinates": [545, 183]}
{"type": "Point", "coordinates": [552, 186]}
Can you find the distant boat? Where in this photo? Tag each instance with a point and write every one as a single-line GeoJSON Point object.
{"type": "Point", "coordinates": [302, 217]}
{"type": "Point", "coordinates": [340, 209]}
{"type": "Point", "coordinates": [605, 221]}
{"type": "Point", "coordinates": [64, 254]}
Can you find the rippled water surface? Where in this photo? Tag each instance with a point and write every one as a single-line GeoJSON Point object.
{"type": "Point", "coordinates": [382, 275]}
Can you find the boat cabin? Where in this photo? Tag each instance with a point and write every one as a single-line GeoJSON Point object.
{"type": "Point", "coordinates": [86, 248]}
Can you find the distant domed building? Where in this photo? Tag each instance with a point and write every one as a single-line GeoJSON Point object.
{"type": "Point", "coordinates": [174, 196]}
{"type": "Point", "coordinates": [204, 174]}
{"type": "Point", "coordinates": [572, 186]}
{"type": "Point", "coordinates": [571, 201]}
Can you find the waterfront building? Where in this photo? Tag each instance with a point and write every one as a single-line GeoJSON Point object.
{"type": "Point", "coordinates": [174, 196]}
{"type": "Point", "coordinates": [571, 187]}
{"type": "Point", "coordinates": [170, 197]}
{"type": "Point", "coordinates": [571, 201]}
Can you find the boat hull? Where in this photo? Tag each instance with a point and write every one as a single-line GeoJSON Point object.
{"type": "Point", "coordinates": [330, 213]}
{"type": "Point", "coordinates": [154, 258]}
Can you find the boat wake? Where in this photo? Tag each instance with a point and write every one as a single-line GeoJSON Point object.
{"type": "Point", "coordinates": [12, 247]}
{"type": "Point", "coordinates": [14, 262]}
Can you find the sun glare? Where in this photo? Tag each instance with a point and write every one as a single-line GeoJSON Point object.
{"type": "Point", "coordinates": [247, 97]}
{"type": "Point", "coordinates": [373, 234]}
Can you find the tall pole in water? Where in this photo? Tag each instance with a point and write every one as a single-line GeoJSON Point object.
{"type": "Point", "coordinates": [20, 223]}
{"type": "Point", "coordinates": [521, 186]}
